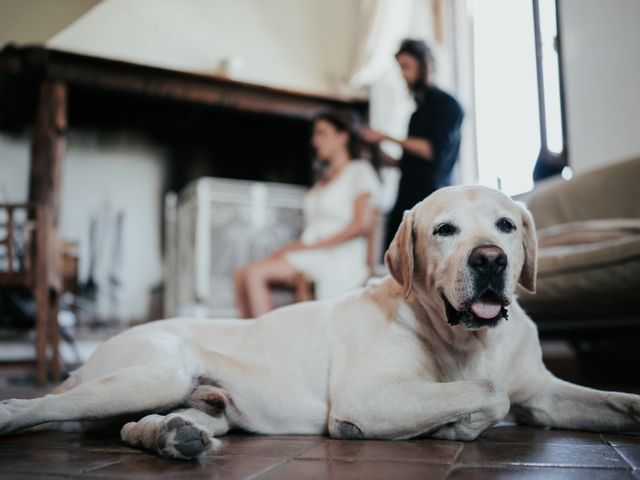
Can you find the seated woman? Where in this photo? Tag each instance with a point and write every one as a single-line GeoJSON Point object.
{"type": "Point", "coordinates": [339, 212]}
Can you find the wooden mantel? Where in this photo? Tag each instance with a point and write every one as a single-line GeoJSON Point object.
{"type": "Point", "coordinates": [22, 68]}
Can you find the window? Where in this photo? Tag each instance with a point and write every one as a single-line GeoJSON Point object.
{"type": "Point", "coordinates": [517, 89]}
{"type": "Point", "coordinates": [552, 159]}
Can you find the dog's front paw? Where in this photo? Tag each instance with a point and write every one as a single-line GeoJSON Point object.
{"type": "Point", "coordinates": [180, 438]}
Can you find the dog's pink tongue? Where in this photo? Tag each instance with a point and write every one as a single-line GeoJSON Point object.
{"type": "Point", "coordinates": [485, 309]}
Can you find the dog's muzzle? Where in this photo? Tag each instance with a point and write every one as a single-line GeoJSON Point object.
{"type": "Point", "coordinates": [482, 311]}
{"type": "Point", "coordinates": [487, 306]}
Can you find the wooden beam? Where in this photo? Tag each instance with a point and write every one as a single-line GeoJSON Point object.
{"type": "Point", "coordinates": [21, 67]}
{"type": "Point", "coordinates": [194, 88]}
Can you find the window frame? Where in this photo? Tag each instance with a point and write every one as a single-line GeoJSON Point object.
{"type": "Point", "coordinates": [546, 156]}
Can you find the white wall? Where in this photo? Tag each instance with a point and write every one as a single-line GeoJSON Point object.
{"type": "Point", "coordinates": [303, 44]}
{"type": "Point", "coordinates": [103, 174]}
{"type": "Point", "coordinates": [14, 168]}
{"type": "Point", "coordinates": [602, 80]}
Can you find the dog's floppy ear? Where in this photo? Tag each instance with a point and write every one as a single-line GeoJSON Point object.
{"type": "Point", "coordinates": [530, 242]}
{"type": "Point", "coordinates": [399, 256]}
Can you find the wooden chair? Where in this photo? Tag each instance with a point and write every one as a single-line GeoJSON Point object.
{"type": "Point", "coordinates": [303, 286]}
{"type": "Point", "coordinates": [35, 269]}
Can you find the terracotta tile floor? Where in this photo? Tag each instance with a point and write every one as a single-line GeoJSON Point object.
{"type": "Point", "coordinates": [504, 452]}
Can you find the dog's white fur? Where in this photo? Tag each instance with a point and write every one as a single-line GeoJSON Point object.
{"type": "Point", "coordinates": [381, 362]}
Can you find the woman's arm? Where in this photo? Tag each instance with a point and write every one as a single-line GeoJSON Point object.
{"type": "Point", "coordinates": [363, 221]}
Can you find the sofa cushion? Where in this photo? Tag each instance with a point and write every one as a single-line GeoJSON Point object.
{"type": "Point", "coordinates": [587, 268]}
{"type": "Point", "coordinates": [589, 231]}
{"type": "Point", "coordinates": [608, 192]}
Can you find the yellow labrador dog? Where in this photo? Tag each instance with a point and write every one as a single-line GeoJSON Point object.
{"type": "Point", "coordinates": [439, 348]}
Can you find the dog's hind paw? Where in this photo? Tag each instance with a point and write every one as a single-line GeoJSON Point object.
{"type": "Point", "coordinates": [180, 438]}
{"type": "Point", "coordinates": [9, 411]}
{"type": "Point", "coordinates": [5, 418]}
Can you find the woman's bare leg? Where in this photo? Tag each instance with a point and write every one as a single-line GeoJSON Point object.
{"type": "Point", "coordinates": [240, 291]}
{"type": "Point", "coordinates": [258, 277]}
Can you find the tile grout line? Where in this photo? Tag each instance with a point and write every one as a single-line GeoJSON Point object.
{"type": "Point", "coordinates": [284, 462]}
{"type": "Point", "coordinates": [452, 465]}
{"type": "Point", "coordinates": [324, 442]}
{"type": "Point", "coordinates": [542, 465]}
{"type": "Point", "coordinates": [461, 447]}
{"type": "Point", "coordinates": [529, 467]}
{"type": "Point", "coordinates": [93, 469]}
{"type": "Point", "coordinates": [621, 454]}
{"type": "Point", "coordinates": [268, 469]}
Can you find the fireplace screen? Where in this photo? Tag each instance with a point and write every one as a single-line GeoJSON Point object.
{"type": "Point", "coordinates": [215, 226]}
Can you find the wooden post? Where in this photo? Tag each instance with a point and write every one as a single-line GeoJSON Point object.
{"type": "Point", "coordinates": [53, 329]}
{"type": "Point", "coordinates": [48, 147]}
{"type": "Point", "coordinates": [10, 232]}
{"type": "Point", "coordinates": [44, 192]}
{"type": "Point", "coordinates": [41, 293]}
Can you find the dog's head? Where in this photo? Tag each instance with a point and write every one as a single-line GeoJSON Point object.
{"type": "Point", "coordinates": [464, 249]}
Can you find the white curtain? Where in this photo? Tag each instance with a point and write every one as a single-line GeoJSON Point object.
{"type": "Point", "coordinates": [384, 24]}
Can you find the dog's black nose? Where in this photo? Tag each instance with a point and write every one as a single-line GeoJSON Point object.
{"type": "Point", "coordinates": [488, 261]}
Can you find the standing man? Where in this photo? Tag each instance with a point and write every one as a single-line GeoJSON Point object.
{"type": "Point", "coordinates": [433, 141]}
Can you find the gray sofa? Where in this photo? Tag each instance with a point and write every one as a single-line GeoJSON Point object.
{"type": "Point", "coordinates": [589, 255]}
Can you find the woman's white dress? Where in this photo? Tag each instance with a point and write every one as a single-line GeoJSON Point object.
{"type": "Point", "coordinates": [329, 209]}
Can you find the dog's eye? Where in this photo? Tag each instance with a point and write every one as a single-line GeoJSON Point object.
{"type": "Point", "coordinates": [445, 230]}
{"type": "Point", "coordinates": [505, 225]}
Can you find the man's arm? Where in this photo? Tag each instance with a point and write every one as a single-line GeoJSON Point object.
{"type": "Point", "coordinates": [415, 145]}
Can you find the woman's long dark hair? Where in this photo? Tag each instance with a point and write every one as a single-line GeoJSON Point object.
{"type": "Point", "coordinates": [348, 123]}
{"type": "Point", "coordinates": [422, 53]}
{"type": "Point", "coordinates": [351, 124]}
